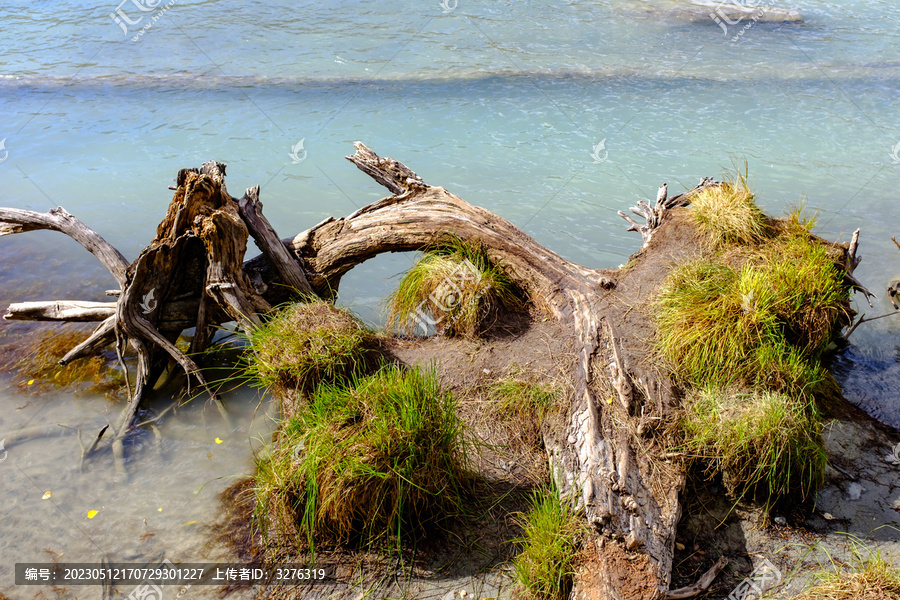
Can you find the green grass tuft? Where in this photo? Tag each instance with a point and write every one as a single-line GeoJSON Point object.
{"type": "Point", "coordinates": [812, 293]}
{"type": "Point", "coordinates": [766, 325]}
{"type": "Point", "coordinates": [756, 320]}
{"type": "Point", "coordinates": [377, 462]}
{"type": "Point", "coordinates": [455, 288]}
{"type": "Point", "coordinates": [761, 442]}
{"type": "Point", "coordinates": [728, 214]}
{"type": "Point", "coordinates": [551, 532]}
{"type": "Point", "coordinates": [518, 398]}
{"type": "Point", "coordinates": [307, 343]}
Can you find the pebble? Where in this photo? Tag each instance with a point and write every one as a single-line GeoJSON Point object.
{"type": "Point", "coordinates": [781, 521]}
{"type": "Point", "coordinates": [828, 516]}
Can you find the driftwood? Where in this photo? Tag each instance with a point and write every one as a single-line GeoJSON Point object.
{"type": "Point", "coordinates": [702, 584]}
{"type": "Point", "coordinates": [190, 275]}
{"type": "Point", "coordinates": [853, 260]}
{"type": "Point", "coordinates": [604, 455]}
{"type": "Point", "coordinates": [61, 310]}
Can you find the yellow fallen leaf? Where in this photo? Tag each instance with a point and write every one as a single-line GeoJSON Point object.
{"type": "Point", "coordinates": [159, 510]}
{"type": "Point", "coordinates": [210, 455]}
{"type": "Point", "coordinates": [92, 513]}
{"type": "Point", "coordinates": [30, 381]}
{"type": "Point", "coordinates": [219, 441]}
{"type": "Point", "coordinates": [46, 495]}
{"type": "Point", "coordinates": [189, 523]}
{"type": "Point", "coordinates": [609, 400]}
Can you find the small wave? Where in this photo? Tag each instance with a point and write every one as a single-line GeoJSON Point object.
{"type": "Point", "coordinates": [861, 72]}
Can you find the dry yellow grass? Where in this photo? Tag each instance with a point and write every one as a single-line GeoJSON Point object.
{"type": "Point", "coordinates": [872, 579]}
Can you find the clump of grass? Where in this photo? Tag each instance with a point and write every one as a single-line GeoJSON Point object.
{"type": "Point", "coordinates": [307, 343]}
{"type": "Point", "coordinates": [518, 398]}
{"type": "Point", "coordinates": [728, 214]}
{"type": "Point", "coordinates": [761, 442]}
{"type": "Point", "coordinates": [378, 461]}
{"type": "Point", "coordinates": [812, 295]}
{"type": "Point", "coordinates": [521, 406]}
{"type": "Point", "coordinates": [551, 532]}
{"type": "Point", "coordinates": [873, 578]}
{"type": "Point", "coordinates": [755, 320]}
{"type": "Point", "coordinates": [766, 324]}
{"type": "Point", "coordinates": [704, 329]}
{"type": "Point", "coordinates": [455, 288]}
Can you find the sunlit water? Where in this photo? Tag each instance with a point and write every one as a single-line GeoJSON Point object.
{"type": "Point", "coordinates": [504, 103]}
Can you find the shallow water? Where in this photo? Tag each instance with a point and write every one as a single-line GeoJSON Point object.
{"type": "Point", "coordinates": [167, 507]}
{"type": "Point", "coordinates": [502, 103]}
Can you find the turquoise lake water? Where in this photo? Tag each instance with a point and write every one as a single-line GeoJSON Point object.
{"type": "Point", "coordinates": [553, 115]}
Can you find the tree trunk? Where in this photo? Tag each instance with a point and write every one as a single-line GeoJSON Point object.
{"type": "Point", "coordinates": [606, 456]}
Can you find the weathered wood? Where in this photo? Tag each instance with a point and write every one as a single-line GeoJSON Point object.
{"type": "Point", "coordinates": [596, 460]}
{"type": "Point", "coordinates": [60, 310]}
{"type": "Point", "coordinates": [127, 418]}
{"type": "Point", "coordinates": [392, 174]}
{"type": "Point", "coordinates": [266, 239]}
{"type": "Point", "coordinates": [87, 451]}
{"type": "Point", "coordinates": [853, 260]}
{"type": "Point", "coordinates": [191, 275]}
{"type": "Point", "coordinates": [103, 336]}
{"type": "Point", "coordinates": [702, 584]}
{"type": "Point", "coordinates": [225, 237]}
{"type": "Point", "coordinates": [852, 257]}
{"type": "Point", "coordinates": [202, 332]}
{"type": "Point", "coordinates": [19, 436]}
{"type": "Point", "coordinates": [653, 216]}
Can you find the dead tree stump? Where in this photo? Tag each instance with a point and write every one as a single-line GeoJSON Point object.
{"type": "Point", "coordinates": [605, 455]}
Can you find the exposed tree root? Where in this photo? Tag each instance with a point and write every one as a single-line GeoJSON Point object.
{"type": "Point", "coordinates": [604, 454]}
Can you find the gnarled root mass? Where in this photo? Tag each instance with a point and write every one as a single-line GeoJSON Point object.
{"type": "Point", "coordinates": [608, 456]}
